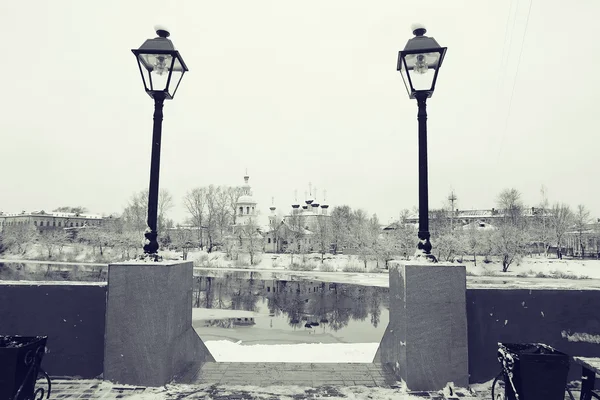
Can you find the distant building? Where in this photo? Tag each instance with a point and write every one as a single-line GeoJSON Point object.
{"type": "Point", "coordinates": [588, 237]}
{"type": "Point", "coordinates": [482, 219]}
{"type": "Point", "coordinates": [246, 212]}
{"type": "Point", "coordinates": [49, 220]}
{"type": "Point", "coordinates": [298, 228]}
{"type": "Point", "coordinates": [246, 230]}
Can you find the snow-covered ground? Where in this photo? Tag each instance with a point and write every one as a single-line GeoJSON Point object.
{"type": "Point", "coordinates": [528, 267]}
{"type": "Point", "coordinates": [226, 351]}
{"type": "Point", "coordinates": [530, 272]}
{"type": "Point", "coordinates": [271, 392]}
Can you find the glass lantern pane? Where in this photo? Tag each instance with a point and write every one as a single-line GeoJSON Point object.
{"type": "Point", "coordinates": [145, 75]}
{"type": "Point", "coordinates": [177, 66]}
{"type": "Point", "coordinates": [422, 80]}
{"type": "Point", "coordinates": [176, 76]}
{"type": "Point", "coordinates": [422, 69]}
{"type": "Point", "coordinates": [423, 60]}
{"type": "Point", "coordinates": [157, 66]}
{"type": "Point", "coordinates": [405, 78]}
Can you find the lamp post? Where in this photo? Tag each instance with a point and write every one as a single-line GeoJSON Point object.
{"type": "Point", "coordinates": [162, 69]}
{"type": "Point", "coordinates": [419, 63]}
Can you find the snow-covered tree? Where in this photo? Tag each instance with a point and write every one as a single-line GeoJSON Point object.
{"type": "Point", "coordinates": [509, 241]}
{"type": "Point", "coordinates": [511, 236]}
{"type": "Point", "coordinates": [53, 240]}
{"type": "Point", "coordinates": [294, 235]}
{"type": "Point", "coordinates": [323, 235]}
{"type": "Point", "coordinates": [252, 240]}
{"type": "Point", "coordinates": [561, 219]}
{"type": "Point", "coordinates": [135, 214]}
{"type": "Point", "coordinates": [233, 194]}
{"type": "Point", "coordinates": [472, 241]}
{"type": "Point", "coordinates": [341, 222]}
{"type": "Point", "coordinates": [217, 215]}
{"type": "Point", "coordinates": [19, 237]}
{"type": "Point", "coordinates": [183, 239]}
{"type": "Point", "coordinates": [541, 229]}
{"type": "Point", "coordinates": [195, 204]}
{"type": "Point", "coordinates": [581, 219]}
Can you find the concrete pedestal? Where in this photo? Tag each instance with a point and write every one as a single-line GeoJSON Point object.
{"type": "Point", "coordinates": [426, 339]}
{"type": "Point", "coordinates": [149, 337]}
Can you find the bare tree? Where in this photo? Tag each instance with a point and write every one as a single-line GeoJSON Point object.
{"type": "Point", "coordinates": [509, 201]}
{"type": "Point", "coordinates": [510, 237]}
{"type": "Point", "coordinates": [95, 237]}
{"type": "Point", "coordinates": [223, 216]}
{"type": "Point", "coordinates": [183, 238]}
{"type": "Point", "coordinates": [195, 203]}
{"type": "Point", "coordinates": [324, 235]}
{"type": "Point", "coordinates": [19, 237]}
{"type": "Point", "coordinates": [53, 240]}
{"type": "Point", "coordinates": [509, 241]}
{"type": "Point", "coordinates": [341, 221]}
{"type": "Point", "coordinates": [472, 241]}
{"type": "Point", "coordinates": [217, 214]}
{"type": "Point", "coordinates": [448, 240]}
{"type": "Point", "coordinates": [135, 214]}
{"type": "Point", "coordinates": [294, 234]}
{"type": "Point", "coordinates": [233, 195]}
{"type": "Point", "coordinates": [406, 235]}
{"type": "Point", "coordinates": [561, 219]}
{"type": "Point", "coordinates": [582, 219]}
{"type": "Point", "coordinates": [375, 236]}
{"type": "Point", "coordinates": [165, 204]}
{"type": "Point", "coordinates": [541, 225]}
{"type": "Point", "coordinates": [362, 238]}
{"type": "Point", "coordinates": [252, 240]}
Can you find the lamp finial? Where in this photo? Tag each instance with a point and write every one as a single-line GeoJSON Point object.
{"type": "Point", "coordinates": [162, 31]}
{"type": "Point", "coordinates": [418, 29]}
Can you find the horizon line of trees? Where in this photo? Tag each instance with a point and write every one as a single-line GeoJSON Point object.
{"type": "Point", "coordinates": [213, 209]}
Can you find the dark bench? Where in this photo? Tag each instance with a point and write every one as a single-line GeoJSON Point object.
{"type": "Point", "coordinates": [589, 368]}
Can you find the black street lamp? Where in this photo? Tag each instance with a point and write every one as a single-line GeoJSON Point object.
{"type": "Point", "coordinates": [162, 69]}
{"type": "Point", "coordinates": [419, 64]}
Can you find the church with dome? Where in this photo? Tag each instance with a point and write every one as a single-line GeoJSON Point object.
{"type": "Point", "coordinates": [298, 228]}
{"type": "Point", "coordinates": [245, 230]}
{"type": "Point", "coordinates": [245, 207]}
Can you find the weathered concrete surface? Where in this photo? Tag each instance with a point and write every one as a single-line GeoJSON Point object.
{"type": "Point", "coordinates": [149, 334]}
{"type": "Point", "coordinates": [426, 340]}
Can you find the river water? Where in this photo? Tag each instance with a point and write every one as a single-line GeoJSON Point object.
{"type": "Point", "coordinates": [256, 308]}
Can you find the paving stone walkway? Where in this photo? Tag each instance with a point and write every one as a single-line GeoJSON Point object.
{"type": "Point", "coordinates": [302, 374]}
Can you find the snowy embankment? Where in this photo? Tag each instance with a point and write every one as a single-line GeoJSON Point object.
{"type": "Point", "coordinates": [530, 273]}
{"type": "Point", "coordinates": [226, 351]}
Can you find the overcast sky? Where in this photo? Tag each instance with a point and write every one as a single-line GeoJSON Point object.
{"type": "Point", "coordinates": [299, 92]}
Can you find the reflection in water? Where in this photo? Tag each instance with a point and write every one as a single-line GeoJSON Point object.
{"type": "Point", "coordinates": [52, 272]}
{"type": "Point", "coordinates": [302, 303]}
{"type": "Point", "coordinates": [296, 303]}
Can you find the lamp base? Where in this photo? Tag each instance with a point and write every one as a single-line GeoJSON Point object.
{"type": "Point", "coordinates": [423, 252]}
{"type": "Point", "coordinates": [423, 257]}
{"type": "Point", "coordinates": [153, 257]}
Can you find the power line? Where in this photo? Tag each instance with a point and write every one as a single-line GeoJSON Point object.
{"type": "Point", "coordinates": [504, 60]}
{"type": "Point", "coordinates": [515, 80]}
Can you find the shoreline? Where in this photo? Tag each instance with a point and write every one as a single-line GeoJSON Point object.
{"type": "Point", "coordinates": [381, 279]}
